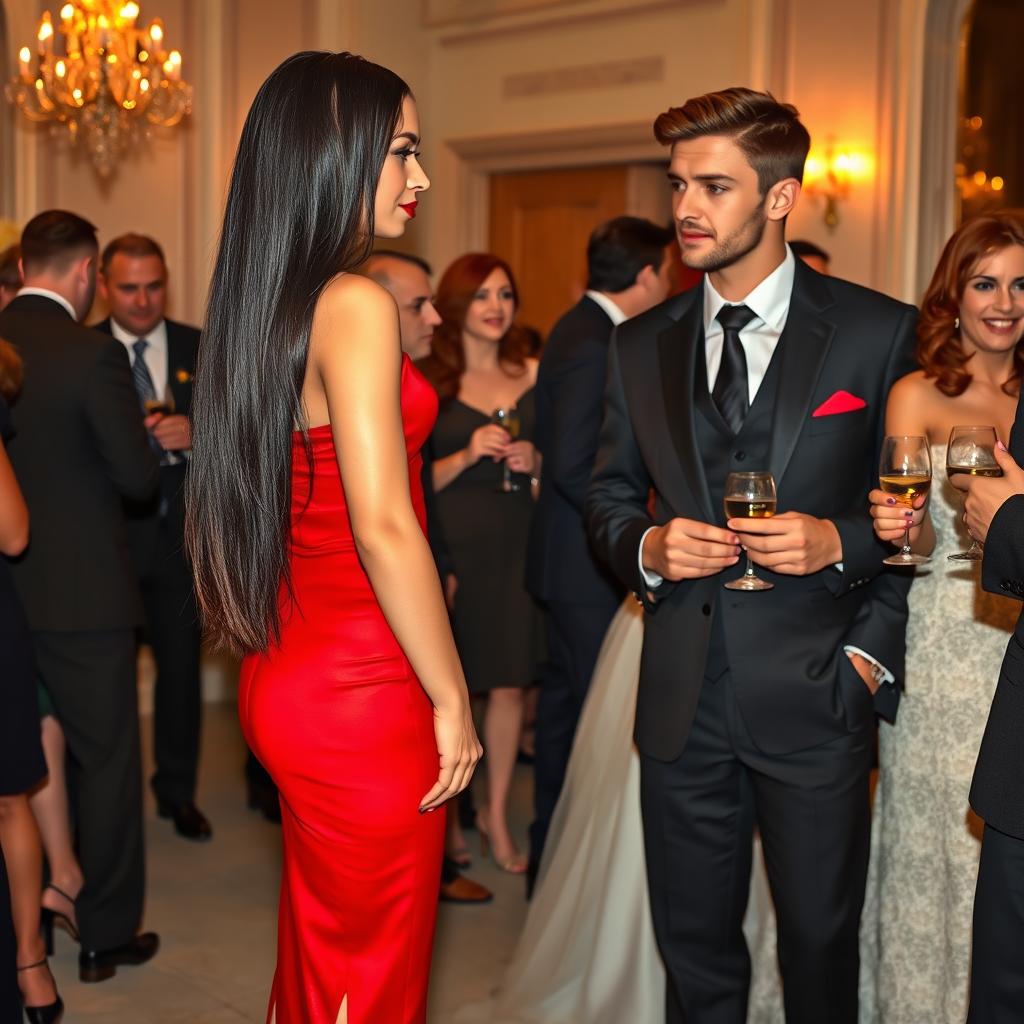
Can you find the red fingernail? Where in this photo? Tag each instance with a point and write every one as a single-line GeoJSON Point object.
{"type": "Point", "coordinates": [1001, 446]}
{"type": "Point", "coordinates": [890, 501]}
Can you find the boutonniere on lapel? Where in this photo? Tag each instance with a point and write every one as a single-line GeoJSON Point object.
{"type": "Point", "coordinates": [182, 376]}
{"type": "Point", "coordinates": [840, 402]}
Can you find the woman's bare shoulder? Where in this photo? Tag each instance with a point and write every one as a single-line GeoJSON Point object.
{"type": "Point", "coordinates": [356, 296]}
{"type": "Point", "coordinates": [355, 308]}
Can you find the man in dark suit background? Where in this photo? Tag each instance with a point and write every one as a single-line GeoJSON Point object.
{"type": "Point", "coordinates": [628, 272]}
{"type": "Point", "coordinates": [80, 449]}
{"type": "Point", "coordinates": [753, 706]}
{"type": "Point", "coordinates": [162, 352]}
{"type": "Point", "coordinates": [995, 516]}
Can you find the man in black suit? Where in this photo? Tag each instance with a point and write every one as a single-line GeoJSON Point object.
{"type": "Point", "coordinates": [80, 449]}
{"type": "Point", "coordinates": [162, 352]}
{"type": "Point", "coordinates": [995, 515]}
{"type": "Point", "coordinates": [753, 706]}
{"type": "Point", "coordinates": [628, 272]}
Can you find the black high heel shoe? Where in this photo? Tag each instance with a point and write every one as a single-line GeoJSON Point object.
{"type": "Point", "coordinates": [48, 917]}
{"type": "Point", "coordinates": [52, 1012]}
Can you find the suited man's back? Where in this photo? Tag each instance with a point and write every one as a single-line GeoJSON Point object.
{"type": "Point", "coordinates": [570, 403]}
{"type": "Point", "coordinates": [80, 448]}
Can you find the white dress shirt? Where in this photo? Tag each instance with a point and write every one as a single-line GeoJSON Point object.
{"type": "Point", "coordinates": [769, 302]}
{"type": "Point", "coordinates": [608, 305]}
{"type": "Point", "coordinates": [47, 294]}
{"type": "Point", "coordinates": [155, 355]}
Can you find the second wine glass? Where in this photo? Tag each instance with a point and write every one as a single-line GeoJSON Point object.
{"type": "Point", "coordinates": [749, 496]}
{"type": "Point", "coordinates": [905, 472]}
{"type": "Point", "coordinates": [971, 451]}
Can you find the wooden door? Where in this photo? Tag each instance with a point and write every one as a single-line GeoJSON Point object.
{"type": "Point", "coordinates": [540, 223]}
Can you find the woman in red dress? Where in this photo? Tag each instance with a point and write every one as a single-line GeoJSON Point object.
{"type": "Point", "coordinates": [306, 532]}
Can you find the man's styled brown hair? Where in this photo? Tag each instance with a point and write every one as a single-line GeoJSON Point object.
{"type": "Point", "coordinates": [769, 133]}
{"type": "Point", "coordinates": [131, 244]}
{"type": "Point", "coordinates": [54, 239]}
{"type": "Point", "coordinates": [940, 352]}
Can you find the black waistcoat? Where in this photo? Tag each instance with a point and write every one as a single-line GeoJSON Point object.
{"type": "Point", "coordinates": [722, 453]}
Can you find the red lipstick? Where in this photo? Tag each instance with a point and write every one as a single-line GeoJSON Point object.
{"type": "Point", "coordinates": [410, 208]}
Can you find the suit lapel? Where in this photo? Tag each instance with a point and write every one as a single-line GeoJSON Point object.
{"type": "Point", "coordinates": [679, 348]}
{"type": "Point", "coordinates": [803, 348]}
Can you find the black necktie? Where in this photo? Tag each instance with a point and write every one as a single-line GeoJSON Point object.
{"type": "Point", "coordinates": [732, 391]}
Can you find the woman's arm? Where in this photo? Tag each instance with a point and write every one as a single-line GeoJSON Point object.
{"type": "Point", "coordinates": [354, 351]}
{"type": "Point", "coordinates": [13, 510]}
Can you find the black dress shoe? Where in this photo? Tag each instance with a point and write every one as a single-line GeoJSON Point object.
{"type": "Point", "coordinates": [265, 800]}
{"type": "Point", "coordinates": [100, 964]}
{"type": "Point", "coordinates": [189, 821]}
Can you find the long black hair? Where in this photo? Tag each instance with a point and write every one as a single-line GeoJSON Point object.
{"type": "Point", "coordinates": [299, 212]}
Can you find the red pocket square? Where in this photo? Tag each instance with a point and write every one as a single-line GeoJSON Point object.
{"type": "Point", "coordinates": [841, 401]}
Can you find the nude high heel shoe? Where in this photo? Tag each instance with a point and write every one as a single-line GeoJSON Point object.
{"type": "Point", "coordinates": [513, 865]}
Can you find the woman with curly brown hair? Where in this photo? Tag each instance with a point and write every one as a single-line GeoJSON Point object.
{"type": "Point", "coordinates": [917, 919]}
{"type": "Point", "coordinates": [480, 363]}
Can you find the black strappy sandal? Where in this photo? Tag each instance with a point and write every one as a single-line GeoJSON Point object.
{"type": "Point", "coordinates": [52, 1012]}
{"type": "Point", "coordinates": [48, 917]}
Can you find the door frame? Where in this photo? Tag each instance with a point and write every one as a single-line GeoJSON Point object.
{"type": "Point", "coordinates": [469, 162]}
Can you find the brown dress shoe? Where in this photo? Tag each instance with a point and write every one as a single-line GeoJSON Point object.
{"type": "Point", "coordinates": [464, 890]}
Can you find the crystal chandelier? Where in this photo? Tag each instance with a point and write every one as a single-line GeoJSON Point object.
{"type": "Point", "coordinates": [111, 78]}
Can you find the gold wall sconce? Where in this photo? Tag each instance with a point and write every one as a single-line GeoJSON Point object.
{"type": "Point", "coordinates": [832, 173]}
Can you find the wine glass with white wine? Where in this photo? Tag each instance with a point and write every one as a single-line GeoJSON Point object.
{"type": "Point", "coordinates": [971, 451]}
{"type": "Point", "coordinates": [905, 472]}
{"type": "Point", "coordinates": [508, 420]}
{"type": "Point", "coordinates": [749, 496]}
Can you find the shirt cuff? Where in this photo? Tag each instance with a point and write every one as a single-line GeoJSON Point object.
{"type": "Point", "coordinates": [887, 676]}
{"type": "Point", "coordinates": [652, 579]}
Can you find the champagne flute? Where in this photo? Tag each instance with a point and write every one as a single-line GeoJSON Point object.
{"type": "Point", "coordinates": [971, 451]}
{"type": "Point", "coordinates": [749, 496]}
{"type": "Point", "coordinates": [905, 471]}
{"type": "Point", "coordinates": [508, 420]}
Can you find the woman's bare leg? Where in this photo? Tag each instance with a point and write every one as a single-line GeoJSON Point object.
{"type": "Point", "coordinates": [23, 853]}
{"type": "Point", "coordinates": [50, 807]}
{"type": "Point", "coordinates": [502, 722]}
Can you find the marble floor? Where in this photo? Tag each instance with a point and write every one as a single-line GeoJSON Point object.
{"type": "Point", "coordinates": [214, 905]}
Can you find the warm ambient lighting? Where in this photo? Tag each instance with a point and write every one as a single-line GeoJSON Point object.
{"type": "Point", "coordinates": [832, 173]}
{"type": "Point", "coordinates": [112, 78]}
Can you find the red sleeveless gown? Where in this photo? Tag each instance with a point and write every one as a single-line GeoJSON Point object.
{"type": "Point", "coordinates": [337, 716]}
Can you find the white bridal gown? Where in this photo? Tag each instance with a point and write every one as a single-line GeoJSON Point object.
{"type": "Point", "coordinates": [587, 951]}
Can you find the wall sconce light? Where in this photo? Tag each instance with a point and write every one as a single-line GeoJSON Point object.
{"type": "Point", "coordinates": [832, 173]}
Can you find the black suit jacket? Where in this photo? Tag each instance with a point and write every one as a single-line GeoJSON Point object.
{"type": "Point", "coordinates": [997, 793]}
{"type": "Point", "coordinates": [560, 563]}
{"type": "Point", "coordinates": [795, 686]}
{"type": "Point", "coordinates": [143, 516]}
{"type": "Point", "coordinates": [80, 449]}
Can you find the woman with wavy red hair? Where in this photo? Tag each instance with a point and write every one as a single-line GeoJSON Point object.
{"type": "Point", "coordinates": [925, 846]}
{"type": "Point", "coordinates": [480, 364]}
